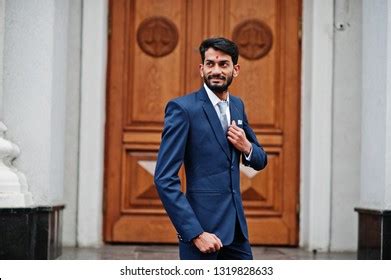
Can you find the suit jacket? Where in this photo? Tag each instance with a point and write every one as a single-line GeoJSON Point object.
{"type": "Point", "coordinates": [193, 135]}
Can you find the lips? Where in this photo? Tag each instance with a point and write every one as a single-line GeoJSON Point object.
{"type": "Point", "coordinates": [217, 79]}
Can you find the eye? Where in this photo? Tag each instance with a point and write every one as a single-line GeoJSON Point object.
{"type": "Point", "coordinates": [224, 64]}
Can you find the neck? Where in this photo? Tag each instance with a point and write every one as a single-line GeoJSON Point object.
{"type": "Point", "coordinates": [221, 95]}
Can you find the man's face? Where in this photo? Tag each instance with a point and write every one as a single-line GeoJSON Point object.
{"type": "Point", "coordinates": [218, 70]}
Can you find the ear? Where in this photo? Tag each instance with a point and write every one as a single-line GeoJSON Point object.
{"type": "Point", "coordinates": [201, 66]}
{"type": "Point", "coordinates": [236, 70]}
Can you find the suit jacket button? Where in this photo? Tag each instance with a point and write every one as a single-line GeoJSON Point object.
{"type": "Point", "coordinates": [233, 191]}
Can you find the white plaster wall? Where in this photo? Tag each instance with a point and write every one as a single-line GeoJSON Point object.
{"type": "Point", "coordinates": [2, 21]}
{"type": "Point", "coordinates": [387, 200]}
{"type": "Point", "coordinates": [375, 190]}
{"type": "Point", "coordinates": [34, 91]}
{"type": "Point", "coordinates": [72, 123]}
{"type": "Point", "coordinates": [373, 101]}
{"type": "Point", "coordinates": [346, 125]}
{"type": "Point", "coordinates": [59, 93]}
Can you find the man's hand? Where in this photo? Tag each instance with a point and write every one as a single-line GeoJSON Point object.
{"type": "Point", "coordinates": [238, 138]}
{"type": "Point", "coordinates": [207, 242]}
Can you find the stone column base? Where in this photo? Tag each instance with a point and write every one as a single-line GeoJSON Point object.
{"type": "Point", "coordinates": [374, 234]}
{"type": "Point", "coordinates": [31, 233]}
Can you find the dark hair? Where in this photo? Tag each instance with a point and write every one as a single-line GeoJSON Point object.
{"type": "Point", "coordinates": [221, 44]}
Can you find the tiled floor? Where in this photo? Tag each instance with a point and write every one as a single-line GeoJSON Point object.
{"type": "Point", "coordinates": [170, 252]}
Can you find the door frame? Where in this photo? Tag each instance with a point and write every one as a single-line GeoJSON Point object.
{"type": "Point", "coordinates": [315, 164]}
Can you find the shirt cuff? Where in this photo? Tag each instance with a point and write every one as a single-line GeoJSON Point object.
{"type": "Point", "coordinates": [248, 157]}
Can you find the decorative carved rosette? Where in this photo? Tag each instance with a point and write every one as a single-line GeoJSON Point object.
{"type": "Point", "coordinates": [157, 36]}
{"type": "Point", "coordinates": [254, 38]}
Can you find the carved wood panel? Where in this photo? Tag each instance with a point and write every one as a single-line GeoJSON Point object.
{"type": "Point", "coordinates": [262, 190]}
{"type": "Point", "coordinates": [138, 187]}
{"type": "Point", "coordinates": [139, 191]}
{"type": "Point", "coordinates": [259, 79]}
{"type": "Point", "coordinates": [154, 79]}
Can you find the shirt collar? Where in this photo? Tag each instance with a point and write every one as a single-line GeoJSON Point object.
{"type": "Point", "coordinates": [213, 97]}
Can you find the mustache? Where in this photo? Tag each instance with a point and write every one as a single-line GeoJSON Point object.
{"type": "Point", "coordinates": [216, 77]}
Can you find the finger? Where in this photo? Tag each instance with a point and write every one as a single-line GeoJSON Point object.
{"type": "Point", "coordinates": [212, 244]}
{"type": "Point", "coordinates": [239, 133]}
{"type": "Point", "coordinates": [220, 243]}
{"type": "Point", "coordinates": [232, 134]}
{"type": "Point", "coordinates": [232, 140]}
{"type": "Point", "coordinates": [217, 242]}
{"type": "Point", "coordinates": [208, 248]}
{"type": "Point", "coordinates": [235, 128]}
{"type": "Point", "coordinates": [234, 131]}
{"type": "Point", "coordinates": [235, 137]}
{"type": "Point", "coordinates": [214, 247]}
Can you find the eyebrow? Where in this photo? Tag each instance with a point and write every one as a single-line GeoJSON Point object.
{"type": "Point", "coordinates": [219, 61]}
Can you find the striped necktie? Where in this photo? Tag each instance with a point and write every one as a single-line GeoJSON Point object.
{"type": "Point", "coordinates": [223, 115]}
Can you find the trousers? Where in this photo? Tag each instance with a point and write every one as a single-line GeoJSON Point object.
{"type": "Point", "coordinates": [239, 249]}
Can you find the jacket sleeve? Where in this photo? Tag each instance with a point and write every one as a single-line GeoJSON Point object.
{"type": "Point", "coordinates": [170, 159]}
{"type": "Point", "coordinates": [258, 159]}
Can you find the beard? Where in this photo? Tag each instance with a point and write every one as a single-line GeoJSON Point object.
{"type": "Point", "coordinates": [218, 88]}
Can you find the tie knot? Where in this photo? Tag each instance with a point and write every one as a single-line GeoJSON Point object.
{"type": "Point", "coordinates": [222, 106]}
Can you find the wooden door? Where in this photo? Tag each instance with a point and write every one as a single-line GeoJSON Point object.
{"type": "Point", "coordinates": [153, 57]}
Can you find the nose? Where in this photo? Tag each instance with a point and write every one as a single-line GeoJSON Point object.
{"type": "Point", "coordinates": [216, 70]}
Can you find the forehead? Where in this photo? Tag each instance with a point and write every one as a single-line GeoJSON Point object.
{"type": "Point", "coordinates": [216, 55]}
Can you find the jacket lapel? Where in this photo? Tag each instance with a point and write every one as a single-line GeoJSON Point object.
{"type": "Point", "coordinates": [235, 116]}
{"type": "Point", "coordinates": [215, 123]}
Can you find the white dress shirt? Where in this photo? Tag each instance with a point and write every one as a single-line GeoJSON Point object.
{"type": "Point", "coordinates": [214, 99]}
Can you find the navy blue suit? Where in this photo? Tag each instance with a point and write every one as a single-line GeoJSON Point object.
{"type": "Point", "coordinates": [193, 135]}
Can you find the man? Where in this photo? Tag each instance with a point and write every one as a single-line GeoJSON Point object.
{"type": "Point", "coordinates": [209, 219]}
